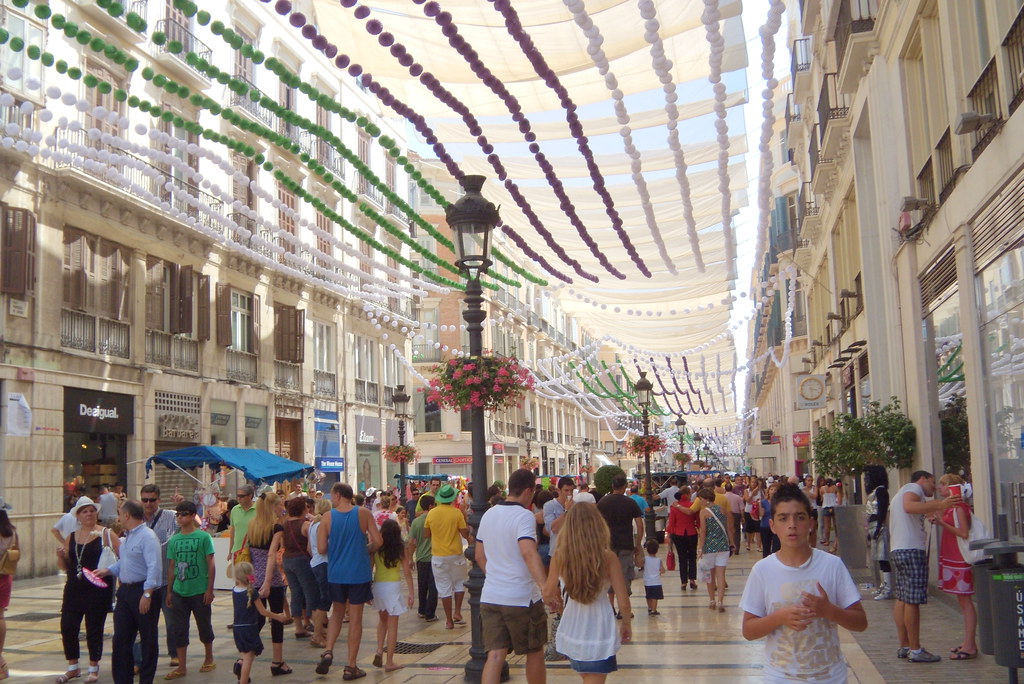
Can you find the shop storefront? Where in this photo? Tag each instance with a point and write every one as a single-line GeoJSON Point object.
{"type": "Point", "coordinates": [96, 430]}
{"type": "Point", "coordinates": [327, 448]}
{"type": "Point", "coordinates": [368, 456]}
{"type": "Point", "coordinates": [222, 423]}
{"type": "Point", "coordinates": [178, 421]}
{"type": "Point", "coordinates": [256, 428]}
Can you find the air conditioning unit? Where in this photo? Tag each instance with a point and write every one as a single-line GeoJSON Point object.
{"type": "Point", "coordinates": [905, 222]}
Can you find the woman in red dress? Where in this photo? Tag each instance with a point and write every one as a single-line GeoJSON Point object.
{"type": "Point", "coordinates": [955, 574]}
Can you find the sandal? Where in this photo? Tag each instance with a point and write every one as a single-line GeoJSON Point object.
{"type": "Point", "coordinates": [378, 660]}
{"type": "Point", "coordinates": [237, 668]}
{"type": "Point", "coordinates": [303, 635]}
{"type": "Point", "coordinates": [69, 675]}
{"type": "Point", "coordinates": [174, 674]}
{"type": "Point", "coordinates": [963, 655]}
{"type": "Point", "coordinates": [208, 667]}
{"type": "Point", "coordinates": [326, 660]}
{"type": "Point", "coordinates": [4, 671]}
{"type": "Point", "coordinates": [280, 668]}
{"type": "Point", "coordinates": [352, 672]}
{"type": "Point", "coordinates": [317, 644]}
{"type": "Point", "coordinates": [94, 674]}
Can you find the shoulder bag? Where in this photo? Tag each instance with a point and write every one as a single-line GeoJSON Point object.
{"type": "Point", "coordinates": [9, 561]}
{"type": "Point", "coordinates": [977, 531]}
{"type": "Point", "coordinates": [107, 555]}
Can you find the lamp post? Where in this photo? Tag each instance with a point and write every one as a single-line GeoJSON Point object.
{"type": "Point", "coordinates": [681, 431]}
{"type": "Point", "coordinates": [528, 432]}
{"type": "Point", "coordinates": [585, 447]}
{"type": "Point", "coordinates": [472, 218]}
{"type": "Point", "coordinates": [401, 401]}
{"type": "Point", "coordinates": [618, 456]}
{"type": "Point", "coordinates": [643, 398]}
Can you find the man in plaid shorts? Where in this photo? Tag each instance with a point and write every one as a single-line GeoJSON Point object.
{"type": "Point", "coordinates": [909, 558]}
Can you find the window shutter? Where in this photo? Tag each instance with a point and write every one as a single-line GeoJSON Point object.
{"type": "Point", "coordinates": [223, 315]}
{"type": "Point", "coordinates": [203, 309]}
{"type": "Point", "coordinates": [74, 270]}
{"type": "Point", "coordinates": [155, 294]}
{"type": "Point", "coordinates": [117, 285]}
{"type": "Point", "coordinates": [280, 353]}
{"type": "Point", "coordinates": [255, 325]}
{"type": "Point", "coordinates": [184, 308]}
{"type": "Point", "coordinates": [300, 336]}
{"type": "Point", "coordinates": [16, 240]}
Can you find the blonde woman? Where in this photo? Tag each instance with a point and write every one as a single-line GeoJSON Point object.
{"type": "Point", "coordinates": [587, 568]}
{"type": "Point", "coordinates": [266, 539]}
{"type": "Point", "coordinates": [713, 541]}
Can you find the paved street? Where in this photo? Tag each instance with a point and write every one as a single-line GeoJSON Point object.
{"type": "Point", "coordinates": [686, 639]}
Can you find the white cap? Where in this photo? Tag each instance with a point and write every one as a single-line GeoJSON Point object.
{"type": "Point", "coordinates": [584, 497]}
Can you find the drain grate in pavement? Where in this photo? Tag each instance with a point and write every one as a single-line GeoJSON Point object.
{"type": "Point", "coordinates": [403, 647]}
{"type": "Point", "coordinates": [32, 617]}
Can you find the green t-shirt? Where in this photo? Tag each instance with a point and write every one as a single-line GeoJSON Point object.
{"type": "Point", "coordinates": [423, 546]}
{"type": "Point", "coordinates": [189, 552]}
{"type": "Point", "coordinates": [240, 519]}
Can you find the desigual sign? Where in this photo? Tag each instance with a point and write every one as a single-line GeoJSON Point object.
{"type": "Point", "coordinates": [99, 412]}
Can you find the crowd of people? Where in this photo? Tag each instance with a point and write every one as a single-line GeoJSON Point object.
{"type": "Point", "coordinates": [559, 563]}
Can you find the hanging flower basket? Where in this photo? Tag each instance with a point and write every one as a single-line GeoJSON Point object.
{"type": "Point", "coordinates": [529, 462]}
{"type": "Point", "coordinates": [651, 444]}
{"type": "Point", "coordinates": [401, 454]}
{"type": "Point", "coordinates": [488, 382]}
{"type": "Point", "coordinates": [681, 457]}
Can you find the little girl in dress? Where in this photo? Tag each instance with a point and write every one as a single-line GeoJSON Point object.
{"type": "Point", "coordinates": [390, 563]}
{"type": "Point", "coordinates": [587, 568]}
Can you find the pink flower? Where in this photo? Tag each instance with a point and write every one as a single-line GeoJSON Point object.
{"type": "Point", "coordinates": [469, 367]}
{"type": "Point", "coordinates": [503, 372]}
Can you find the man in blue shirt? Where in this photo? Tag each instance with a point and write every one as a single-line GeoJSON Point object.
{"type": "Point", "coordinates": [634, 494]}
{"type": "Point", "coordinates": [139, 572]}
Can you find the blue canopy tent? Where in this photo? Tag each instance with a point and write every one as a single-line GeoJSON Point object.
{"type": "Point", "coordinates": [257, 465]}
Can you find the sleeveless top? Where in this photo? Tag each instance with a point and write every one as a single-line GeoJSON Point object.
{"type": "Point", "coordinates": [294, 540]}
{"type": "Point", "coordinates": [588, 631]}
{"type": "Point", "coordinates": [347, 560]}
{"type": "Point", "coordinates": [829, 500]}
{"type": "Point", "coordinates": [383, 573]}
{"type": "Point", "coordinates": [258, 556]}
{"type": "Point", "coordinates": [716, 539]}
{"type": "Point", "coordinates": [317, 558]}
{"type": "Point", "coordinates": [80, 593]}
{"type": "Point", "coordinates": [246, 615]}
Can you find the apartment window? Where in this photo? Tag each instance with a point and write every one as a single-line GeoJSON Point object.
{"type": "Point", "coordinates": [363, 150]}
{"type": "Point", "coordinates": [427, 414]}
{"type": "Point", "coordinates": [174, 299]}
{"type": "Point", "coordinates": [19, 26]}
{"type": "Point", "coordinates": [288, 98]}
{"type": "Point", "coordinates": [394, 371]}
{"type": "Point", "coordinates": [323, 347]}
{"type": "Point", "coordinates": [241, 191]}
{"type": "Point", "coordinates": [289, 333]}
{"type": "Point", "coordinates": [285, 218]}
{"type": "Point", "coordinates": [366, 359]}
{"type": "Point", "coordinates": [323, 244]}
{"type": "Point", "coordinates": [238, 319]}
{"type": "Point", "coordinates": [95, 275]}
{"type": "Point", "coordinates": [243, 64]}
{"type": "Point", "coordinates": [17, 251]}
{"type": "Point", "coordinates": [105, 100]}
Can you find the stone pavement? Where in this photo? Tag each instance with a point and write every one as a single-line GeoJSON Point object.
{"type": "Point", "coordinates": [687, 639]}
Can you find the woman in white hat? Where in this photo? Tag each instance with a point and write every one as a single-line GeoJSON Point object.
{"type": "Point", "coordinates": [82, 598]}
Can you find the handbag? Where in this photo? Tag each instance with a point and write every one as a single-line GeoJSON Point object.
{"type": "Point", "coordinates": [9, 561]}
{"type": "Point", "coordinates": [107, 555]}
{"type": "Point", "coordinates": [242, 555]}
{"type": "Point", "coordinates": [976, 531]}
{"type": "Point", "coordinates": [670, 560]}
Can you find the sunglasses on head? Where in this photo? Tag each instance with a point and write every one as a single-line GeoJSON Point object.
{"type": "Point", "coordinates": [148, 500]}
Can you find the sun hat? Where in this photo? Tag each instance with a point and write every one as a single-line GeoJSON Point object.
{"type": "Point", "coordinates": [82, 502]}
{"type": "Point", "coordinates": [371, 491]}
{"type": "Point", "coordinates": [584, 497]}
{"type": "Point", "coordinates": [446, 494]}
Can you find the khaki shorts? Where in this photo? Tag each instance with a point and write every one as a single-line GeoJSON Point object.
{"type": "Point", "coordinates": [522, 629]}
{"type": "Point", "coordinates": [450, 574]}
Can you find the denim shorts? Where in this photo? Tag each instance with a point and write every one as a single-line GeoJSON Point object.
{"type": "Point", "coordinates": [605, 666]}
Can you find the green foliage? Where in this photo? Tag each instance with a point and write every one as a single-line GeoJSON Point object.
{"type": "Point", "coordinates": [882, 436]}
{"type": "Point", "coordinates": [604, 476]}
{"type": "Point", "coordinates": [956, 442]}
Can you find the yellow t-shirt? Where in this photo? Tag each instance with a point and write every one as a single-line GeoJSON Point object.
{"type": "Point", "coordinates": [383, 573]}
{"type": "Point", "coordinates": [720, 501]}
{"type": "Point", "coordinates": [444, 522]}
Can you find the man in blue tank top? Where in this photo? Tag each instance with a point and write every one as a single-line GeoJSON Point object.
{"type": "Point", "coordinates": [342, 537]}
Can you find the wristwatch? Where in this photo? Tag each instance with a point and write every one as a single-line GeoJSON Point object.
{"type": "Point", "coordinates": [146, 594]}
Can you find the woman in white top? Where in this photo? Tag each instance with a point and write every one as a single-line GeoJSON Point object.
{"type": "Point", "coordinates": [829, 500]}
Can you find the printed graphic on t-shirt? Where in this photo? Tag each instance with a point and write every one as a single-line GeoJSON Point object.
{"type": "Point", "coordinates": [815, 649]}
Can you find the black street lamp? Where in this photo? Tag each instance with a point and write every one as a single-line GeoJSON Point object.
{"type": "Point", "coordinates": [585, 446]}
{"type": "Point", "coordinates": [618, 456]}
{"type": "Point", "coordinates": [401, 402]}
{"type": "Point", "coordinates": [528, 431]}
{"type": "Point", "coordinates": [681, 431]}
{"type": "Point", "coordinates": [643, 398]}
{"type": "Point", "coordinates": [472, 218]}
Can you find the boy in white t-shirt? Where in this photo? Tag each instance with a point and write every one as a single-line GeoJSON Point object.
{"type": "Point", "coordinates": [796, 597]}
{"type": "Point", "coordinates": [653, 570]}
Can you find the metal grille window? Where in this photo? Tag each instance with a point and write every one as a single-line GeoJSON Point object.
{"type": "Point", "coordinates": [177, 403]}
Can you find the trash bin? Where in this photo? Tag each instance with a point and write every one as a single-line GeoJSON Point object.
{"type": "Point", "coordinates": [853, 548]}
{"type": "Point", "coordinates": [999, 593]}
